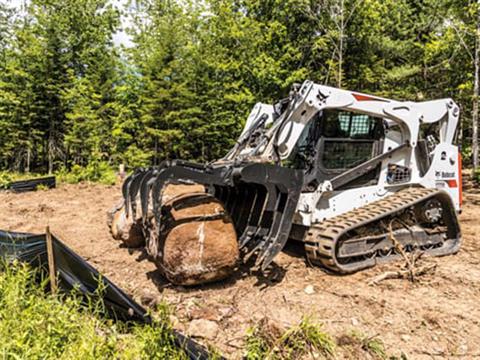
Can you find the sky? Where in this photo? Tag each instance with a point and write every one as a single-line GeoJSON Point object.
{"type": "Point", "coordinates": [119, 38]}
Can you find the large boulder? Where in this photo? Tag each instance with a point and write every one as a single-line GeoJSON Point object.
{"type": "Point", "coordinates": [197, 241]}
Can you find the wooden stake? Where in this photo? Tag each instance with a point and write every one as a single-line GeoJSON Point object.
{"type": "Point", "coordinates": [51, 262]}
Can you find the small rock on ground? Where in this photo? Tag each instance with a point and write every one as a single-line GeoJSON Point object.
{"type": "Point", "coordinates": [309, 290]}
{"type": "Point", "coordinates": [202, 328]}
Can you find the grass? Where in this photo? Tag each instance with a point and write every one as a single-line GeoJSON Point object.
{"type": "Point", "coordinates": [357, 344]}
{"type": "Point", "coordinates": [100, 172]}
{"type": "Point", "coordinates": [38, 325]}
{"type": "Point", "coordinates": [265, 341]}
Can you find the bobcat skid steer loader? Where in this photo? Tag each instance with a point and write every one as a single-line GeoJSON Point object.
{"type": "Point", "coordinates": [344, 172]}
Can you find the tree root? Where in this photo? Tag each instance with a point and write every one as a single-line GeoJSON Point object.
{"type": "Point", "coordinates": [403, 274]}
{"type": "Point", "coordinates": [411, 270]}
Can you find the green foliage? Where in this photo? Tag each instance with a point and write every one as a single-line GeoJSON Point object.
{"type": "Point", "coordinates": [265, 342]}
{"type": "Point", "coordinates": [257, 346]}
{"type": "Point", "coordinates": [56, 84]}
{"type": "Point", "coordinates": [375, 347]}
{"type": "Point", "coordinates": [36, 325]}
{"type": "Point", "coordinates": [69, 97]}
{"type": "Point", "coordinates": [41, 187]}
{"type": "Point", "coordinates": [5, 179]}
{"type": "Point", "coordinates": [94, 171]}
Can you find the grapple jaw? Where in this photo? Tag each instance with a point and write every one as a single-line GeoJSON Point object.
{"type": "Point", "coordinates": [261, 200]}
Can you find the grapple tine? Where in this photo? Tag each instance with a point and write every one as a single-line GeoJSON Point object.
{"type": "Point", "coordinates": [126, 185]}
{"type": "Point", "coordinates": [238, 201]}
{"type": "Point", "coordinates": [257, 245]}
{"type": "Point", "coordinates": [275, 226]}
{"type": "Point", "coordinates": [283, 232]}
{"type": "Point", "coordinates": [223, 193]}
{"type": "Point", "coordinates": [134, 188]}
{"type": "Point", "coordinates": [126, 190]}
{"type": "Point", "coordinates": [241, 215]}
{"type": "Point", "coordinates": [230, 202]}
{"type": "Point", "coordinates": [145, 188]}
{"type": "Point", "coordinates": [267, 216]}
{"type": "Point", "coordinates": [217, 192]}
{"type": "Point", "coordinates": [254, 219]}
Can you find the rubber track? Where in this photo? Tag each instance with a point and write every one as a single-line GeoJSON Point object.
{"type": "Point", "coordinates": [321, 239]}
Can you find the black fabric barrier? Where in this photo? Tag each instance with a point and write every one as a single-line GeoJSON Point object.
{"type": "Point", "coordinates": [75, 272]}
{"type": "Point", "coordinates": [32, 184]}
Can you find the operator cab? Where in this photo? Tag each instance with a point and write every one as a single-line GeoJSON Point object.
{"type": "Point", "coordinates": [337, 140]}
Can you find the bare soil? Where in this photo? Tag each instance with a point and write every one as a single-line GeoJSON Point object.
{"type": "Point", "coordinates": [438, 316]}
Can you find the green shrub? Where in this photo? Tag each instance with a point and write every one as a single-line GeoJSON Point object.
{"type": "Point", "coordinates": [37, 325]}
{"type": "Point", "coordinates": [358, 343]}
{"type": "Point", "coordinates": [95, 171]}
{"type": "Point", "coordinates": [98, 171]}
{"type": "Point", "coordinates": [5, 179]}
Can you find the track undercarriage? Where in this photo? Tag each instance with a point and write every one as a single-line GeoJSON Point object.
{"type": "Point", "coordinates": [413, 219]}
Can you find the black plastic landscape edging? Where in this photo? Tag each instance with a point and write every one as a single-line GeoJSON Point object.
{"type": "Point", "coordinates": [32, 184]}
{"type": "Point", "coordinates": [74, 272]}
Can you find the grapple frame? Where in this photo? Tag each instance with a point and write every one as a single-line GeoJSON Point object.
{"type": "Point", "coordinates": [260, 198]}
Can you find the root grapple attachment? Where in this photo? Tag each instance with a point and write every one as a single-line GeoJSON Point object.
{"type": "Point", "coordinates": [260, 198]}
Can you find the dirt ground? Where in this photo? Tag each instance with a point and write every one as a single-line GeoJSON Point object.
{"type": "Point", "coordinates": [435, 317]}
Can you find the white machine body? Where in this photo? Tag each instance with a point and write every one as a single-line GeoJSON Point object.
{"type": "Point", "coordinates": [410, 123]}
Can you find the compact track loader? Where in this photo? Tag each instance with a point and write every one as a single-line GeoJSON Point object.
{"type": "Point", "coordinates": [343, 172]}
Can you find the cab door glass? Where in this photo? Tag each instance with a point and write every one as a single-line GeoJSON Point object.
{"type": "Point", "coordinates": [348, 138]}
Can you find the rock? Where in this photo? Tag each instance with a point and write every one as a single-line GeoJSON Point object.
{"type": "Point", "coordinates": [197, 242]}
{"type": "Point", "coordinates": [309, 290]}
{"type": "Point", "coordinates": [405, 337]}
{"type": "Point", "coordinates": [462, 349]}
{"type": "Point", "coordinates": [148, 299]}
{"type": "Point", "coordinates": [355, 322]}
{"type": "Point", "coordinates": [125, 228]}
{"type": "Point", "coordinates": [206, 313]}
{"type": "Point", "coordinates": [226, 312]}
{"type": "Point", "coordinates": [202, 328]}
